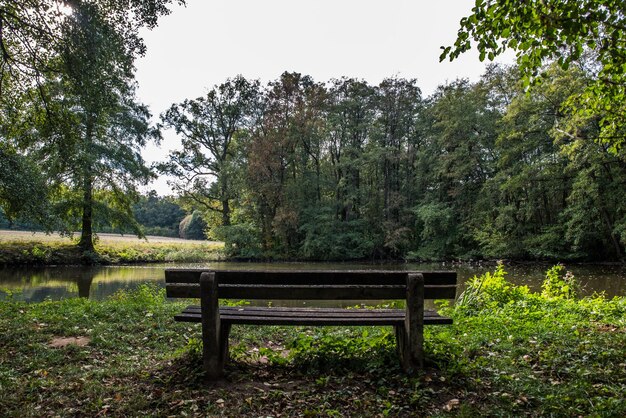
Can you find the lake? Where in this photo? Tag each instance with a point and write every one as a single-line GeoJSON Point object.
{"type": "Point", "coordinates": [36, 284]}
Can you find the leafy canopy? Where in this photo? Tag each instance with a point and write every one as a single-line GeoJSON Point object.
{"type": "Point", "coordinates": [561, 31]}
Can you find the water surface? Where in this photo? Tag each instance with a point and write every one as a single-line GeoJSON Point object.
{"type": "Point", "coordinates": [35, 284]}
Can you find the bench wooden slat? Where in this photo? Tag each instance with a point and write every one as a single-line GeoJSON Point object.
{"type": "Point", "coordinates": [278, 311]}
{"type": "Point", "coordinates": [310, 292]}
{"type": "Point", "coordinates": [306, 316]}
{"type": "Point", "coordinates": [319, 277]}
{"type": "Point", "coordinates": [249, 308]}
{"type": "Point", "coordinates": [273, 312]}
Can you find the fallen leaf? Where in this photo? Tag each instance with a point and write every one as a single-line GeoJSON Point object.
{"type": "Point", "coordinates": [449, 406]}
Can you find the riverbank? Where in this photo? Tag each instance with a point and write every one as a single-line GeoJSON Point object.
{"type": "Point", "coordinates": [510, 352]}
{"type": "Point", "coordinates": [27, 248]}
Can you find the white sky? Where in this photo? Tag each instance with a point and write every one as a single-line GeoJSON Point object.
{"type": "Point", "coordinates": [203, 44]}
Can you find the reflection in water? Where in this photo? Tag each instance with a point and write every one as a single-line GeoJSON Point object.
{"type": "Point", "coordinates": [35, 284]}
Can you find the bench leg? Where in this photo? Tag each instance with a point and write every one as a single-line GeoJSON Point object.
{"type": "Point", "coordinates": [410, 336]}
{"type": "Point", "coordinates": [214, 337]}
{"type": "Point", "coordinates": [224, 332]}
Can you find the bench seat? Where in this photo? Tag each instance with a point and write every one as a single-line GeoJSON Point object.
{"type": "Point", "coordinates": [258, 315]}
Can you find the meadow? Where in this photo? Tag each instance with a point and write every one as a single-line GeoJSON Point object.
{"type": "Point", "coordinates": [23, 247]}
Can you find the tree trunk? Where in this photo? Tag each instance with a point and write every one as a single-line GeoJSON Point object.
{"type": "Point", "coordinates": [86, 236]}
{"type": "Point", "coordinates": [225, 202]}
{"type": "Point", "coordinates": [225, 213]}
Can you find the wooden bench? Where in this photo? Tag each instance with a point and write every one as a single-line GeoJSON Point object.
{"type": "Point", "coordinates": [210, 286]}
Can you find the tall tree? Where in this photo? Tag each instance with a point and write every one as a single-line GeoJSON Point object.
{"type": "Point", "coordinates": [457, 157]}
{"type": "Point", "coordinates": [31, 32]}
{"type": "Point", "coordinates": [33, 57]}
{"type": "Point", "coordinates": [350, 119]}
{"type": "Point", "coordinates": [92, 129]}
{"type": "Point", "coordinates": [285, 158]}
{"type": "Point", "coordinates": [394, 135]}
{"type": "Point", "coordinates": [209, 127]}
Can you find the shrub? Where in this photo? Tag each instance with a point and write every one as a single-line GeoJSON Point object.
{"type": "Point", "coordinates": [192, 226]}
{"type": "Point", "coordinates": [241, 240]}
{"type": "Point", "coordinates": [558, 285]}
{"type": "Point", "coordinates": [490, 291]}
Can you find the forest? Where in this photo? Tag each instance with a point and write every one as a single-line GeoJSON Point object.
{"type": "Point", "coordinates": [525, 163]}
{"type": "Point", "coordinates": [346, 170]}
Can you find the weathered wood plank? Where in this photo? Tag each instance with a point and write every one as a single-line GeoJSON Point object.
{"type": "Point", "coordinates": [212, 352]}
{"type": "Point", "coordinates": [320, 277]}
{"type": "Point", "coordinates": [309, 292]}
{"type": "Point", "coordinates": [411, 341]}
{"type": "Point", "coordinates": [307, 321]}
{"type": "Point", "coordinates": [299, 316]}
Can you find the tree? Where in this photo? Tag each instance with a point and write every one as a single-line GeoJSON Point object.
{"type": "Point", "coordinates": [33, 45]}
{"type": "Point", "coordinates": [209, 127]}
{"type": "Point", "coordinates": [561, 31]}
{"type": "Point", "coordinates": [393, 141]}
{"type": "Point", "coordinates": [90, 132]}
{"type": "Point", "coordinates": [192, 226]}
{"type": "Point", "coordinates": [31, 33]}
{"type": "Point", "coordinates": [16, 192]}
{"type": "Point", "coordinates": [456, 158]}
{"type": "Point", "coordinates": [158, 215]}
{"type": "Point", "coordinates": [350, 116]}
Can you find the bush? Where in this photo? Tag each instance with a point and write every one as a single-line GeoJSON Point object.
{"type": "Point", "coordinates": [241, 240]}
{"type": "Point", "coordinates": [490, 291]}
{"type": "Point", "coordinates": [327, 238]}
{"type": "Point", "coordinates": [192, 226]}
{"type": "Point", "coordinates": [558, 285]}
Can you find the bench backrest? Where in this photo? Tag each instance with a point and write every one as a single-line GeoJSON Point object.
{"type": "Point", "coordinates": [310, 284]}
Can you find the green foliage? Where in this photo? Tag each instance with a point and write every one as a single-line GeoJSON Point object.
{"type": "Point", "coordinates": [564, 32]}
{"type": "Point", "coordinates": [352, 171]}
{"type": "Point", "coordinates": [436, 223]}
{"type": "Point", "coordinates": [209, 166]}
{"type": "Point", "coordinates": [32, 33]}
{"type": "Point", "coordinates": [158, 215]}
{"type": "Point", "coordinates": [240, 240]}
{"type": "Point", "coordinates": [41, 254]}
{"type": "Point", "coordinates": [328, 238]}
{"type": "Point", "coordinates": [537, 356]}
{"type": "Point", "coordinates": [340, 348]}
{"type": "Point", "coordinates": [490, 292]}
{"type": "Point", "coordinates": [23, 189]}
{"type": "Point", "coordinates": [559, 284]}
{"type": "Point", "coordinates": [68, 90]}
{"type": "Point", "coordinates": [64, 252]}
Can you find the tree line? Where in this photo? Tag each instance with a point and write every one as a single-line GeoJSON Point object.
{"type": "Point", "coordinates": [348, 170]}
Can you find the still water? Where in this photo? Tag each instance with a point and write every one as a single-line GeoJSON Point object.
{"type": "Point", "coordinates": [35, 284]}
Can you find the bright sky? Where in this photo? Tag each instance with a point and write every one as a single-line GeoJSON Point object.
{"type": "Point", "coordinates": [208, 41]}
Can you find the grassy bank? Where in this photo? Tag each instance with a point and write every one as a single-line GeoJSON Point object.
{"type": "Point", "coordinates": [509, 353]}
{"type": "Point", "coordinates": [18, 247]}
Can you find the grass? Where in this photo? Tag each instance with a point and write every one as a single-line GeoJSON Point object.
{"type": "Point", "coordinates": [19, 247]}
{"type": "Point", "coordinates": [524, 354]}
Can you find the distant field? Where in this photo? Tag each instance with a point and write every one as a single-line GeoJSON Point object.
{"type": "Point", "coordinates": [13, 236]}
